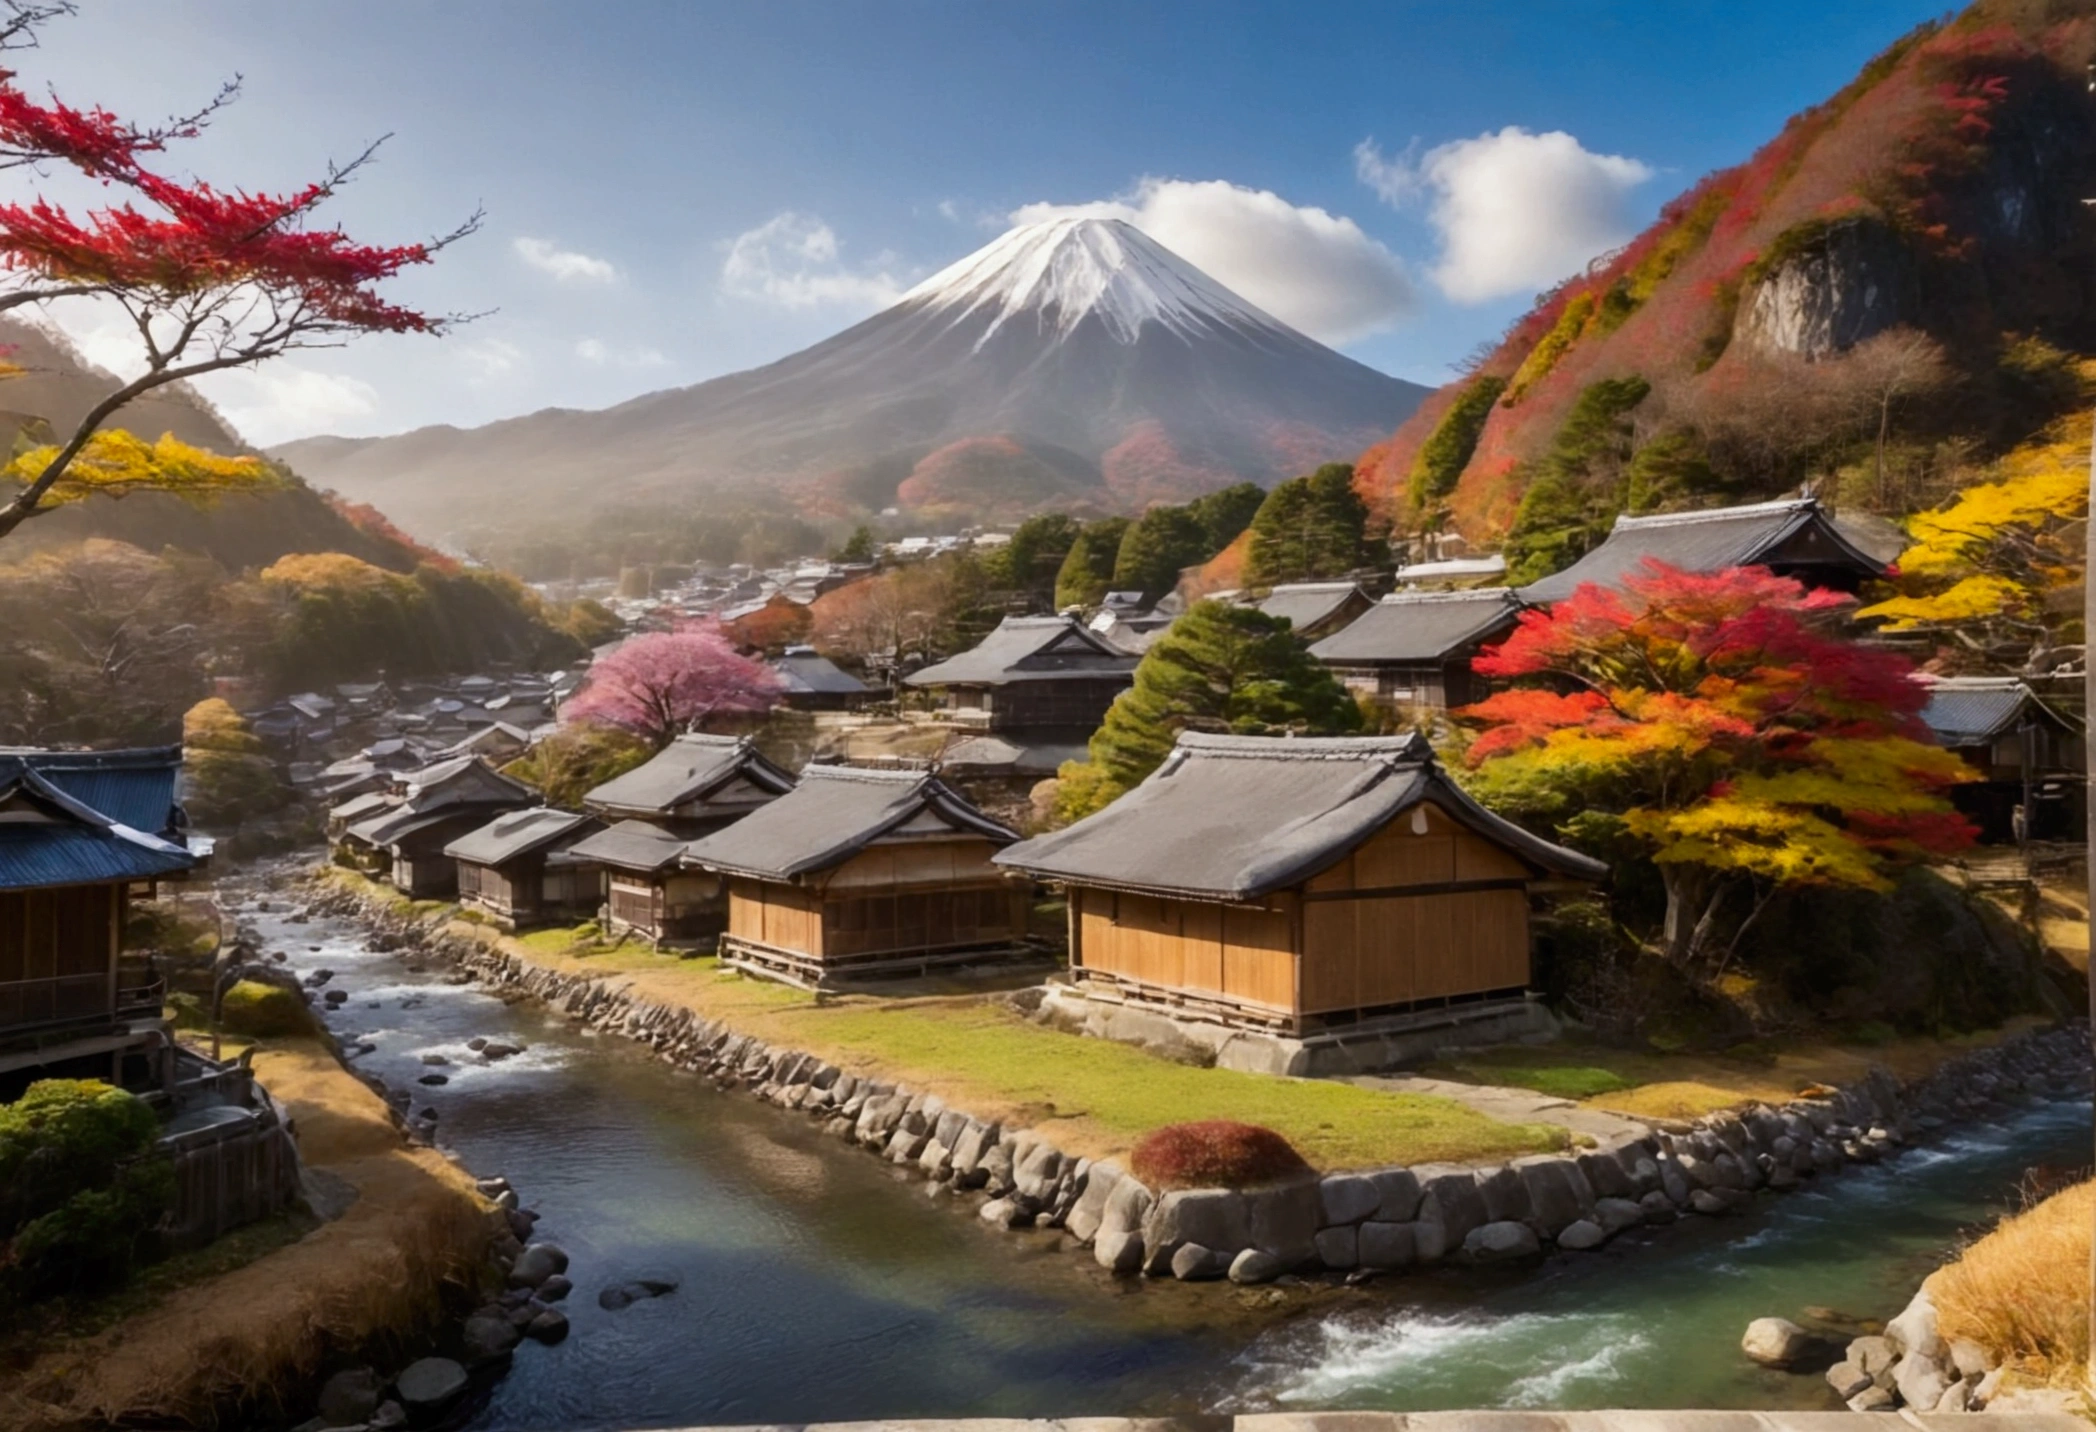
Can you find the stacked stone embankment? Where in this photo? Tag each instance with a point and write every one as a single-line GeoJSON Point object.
{"type": "Point", "coordinates": [1381, 1221]}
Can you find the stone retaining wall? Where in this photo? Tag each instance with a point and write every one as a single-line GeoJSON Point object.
{"type": "Point", "coordinates": [1382, 1221]}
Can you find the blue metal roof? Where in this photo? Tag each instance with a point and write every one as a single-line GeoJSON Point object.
{"type": "Point", "coordinates": [132, 787]}
{"type": "Point", "coordinates": [40, 855]}
{"type": "Point", "coordinates": [71, 840]}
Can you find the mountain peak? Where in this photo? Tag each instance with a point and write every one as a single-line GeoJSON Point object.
{"type": "Point", "coordinates": [1065, 270]}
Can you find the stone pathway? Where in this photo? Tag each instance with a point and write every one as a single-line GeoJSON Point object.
{"type": "Point", "coordinates": [1512, 1106]}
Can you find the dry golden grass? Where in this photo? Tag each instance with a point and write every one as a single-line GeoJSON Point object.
{"type": "Point", "coordinates": [228, 1344]}
{"type": "Point", "coordinates": [2021, 1292]}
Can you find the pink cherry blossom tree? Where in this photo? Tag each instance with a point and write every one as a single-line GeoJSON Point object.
{"type": "Point", "coordinates": [665, 682]}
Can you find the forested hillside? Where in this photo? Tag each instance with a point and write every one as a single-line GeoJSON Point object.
{"type": "Point", "coordinates": [1890, 295]}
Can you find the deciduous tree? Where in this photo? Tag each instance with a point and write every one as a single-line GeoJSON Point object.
{"type": "Point", "coordinates": [663, 683]}
{"type": "Point", "coordinates": [1711, 725]}
{"type": "Point", "coordinates": [209, 277]}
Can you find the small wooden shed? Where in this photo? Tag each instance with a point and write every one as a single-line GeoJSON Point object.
{"type": "Point", "coordinates": [694, 785]}
{"type": "Point", "coordinates": [1032, 673]}
{"type": "Point", "coordinates": [863, 872]}
{"type": "Point", "coordinates": [1299, 885]}
{"type": "Point", "coordinates": [1414, 647]}
{"type": "Point", "coordinates": [404, 842]}
{"type": "Point", "coordinates": [1316, 609]}
{"type": "Point", "coordinates": [2028, 757]}
{"type": "Point", "coordinates": [521, 868]}
{"type": "Point", "coordinates": [648, 892]}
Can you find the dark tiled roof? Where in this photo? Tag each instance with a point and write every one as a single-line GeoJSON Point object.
{"type": "Point", "coordinates": [1419, 626]}
{"type": "Point", "coordinates": [833, 814]}
{"type": "Point", "coordinates": [1008, 754]}
{"type": "Point", "coordinates": [686, 770]}
{"type": "Point", "coordinates": [75, 843]}
{"type": "Point", "coordinates": [1306, 604]}
{"type": "Point", "coordinates": [133, 787]}
{"type": "Point", "coordinates": [805, 673]}
{"type": "Point", "coordinates": [632, 845]}
{"type": "Point", "coordinates": [1031, 649]}
{"type": "Point", "coordinates": [1238, 817]}
{"type": "Point", "coordinates": [515, 833]}
{"type": "Point", "coordinates": [1973, 710]}
{"type": "Point", "coordinates": [1706, 542]}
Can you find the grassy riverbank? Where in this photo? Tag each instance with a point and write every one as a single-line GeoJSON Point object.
{"type": "Point", "coordinates": [1653, 1085]}
{"type": "Point", "coordinates": [252, 1316]}
{"type": "Point", "coordinates": [2021, 1292]}
{"type": "Point", "coordinates": [1091, 1097]}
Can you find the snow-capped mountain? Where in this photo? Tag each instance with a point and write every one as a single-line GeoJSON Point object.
{"type": "Point", "coordinates": [1073, 361]}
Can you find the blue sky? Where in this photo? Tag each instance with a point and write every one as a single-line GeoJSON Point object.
{"type": "Point", "coordinates": [680, 190]}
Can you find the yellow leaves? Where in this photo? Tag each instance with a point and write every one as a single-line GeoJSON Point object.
{"type": "Point", "coordinates": [1971, 599]}
{"type": "Point", "coordinates": [330, 571]}
{"type": "Point", "coordinates": [115, 463]}
{"type": "Point", "coordinates": [1741, 833]}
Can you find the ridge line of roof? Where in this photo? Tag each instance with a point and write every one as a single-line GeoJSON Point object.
{"type": "Point", "coordinates": [1626, 522]}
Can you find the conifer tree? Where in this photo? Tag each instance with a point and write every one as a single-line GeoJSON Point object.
{"type": "Point", "coordinates": [1154, 549]}
{"type": "Point", "coordinates": [1308, 527]}
{"type": "Point", "coordinates": [1088, 568]}
{"type": "Point", "coordinates": [1219, 668]}
{"type": "Point", "coordinates": [1225, 513]}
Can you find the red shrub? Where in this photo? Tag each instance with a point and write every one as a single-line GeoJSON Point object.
{"type": "Point", "coordinates": [1216, 1153]}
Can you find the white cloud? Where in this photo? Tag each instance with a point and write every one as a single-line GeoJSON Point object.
{"type": "Point", "coordinates": [276, 402]}
{"type": "Point", "coordinates": [566, 265]}
{"type": "Point", "coordinates": [1315, 270]}
{"type": "Point", "coordinates": [795, 261]}
{"type": "Point", "coordinates": [599, 354]}
{"type": "Point", "coordinates": [1516, 211]}
{"type": "Point", "coordinates": [489, 360]}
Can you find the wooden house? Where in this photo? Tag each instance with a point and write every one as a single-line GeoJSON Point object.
{"type": "Point", "coordinates": [404, 843]}
{"type": "Point", "coordinates": [2028, 756]}
{"type": "Point", "coordinates": [646, 889]}
{"type": "Point", "coordinates": [1032, 673]}
{"type": "Point", "coordinates": [809, 681]}
{"type": "Point", "coordinates": [862, 872]}
{"type": "Point", "coordinates": [521, 868]}
{"type": "Point", "coordinates": [696, 784]}
{"type": "Point", "coordinates": [1316, 609]}
{"type": "Point", "coordinates": [1299, 885]}
{"type": "Point", "coordinates": [1793, 538]}
{"type": "Point", "coordinates": [80, 834]}
{"type": "Point", "coordinates": [1414, 646]}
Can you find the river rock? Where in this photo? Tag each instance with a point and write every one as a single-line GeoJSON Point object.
{"type": "Point", "coordinates": [1192, 1263]}
{"type": "Point", "coordinates": [1118, 1250]}
{"type": "Point", "coordinates": [1872, 1399]}
{"type": "Point", "coordinates": [434, 1079]}
{"type": "Point", "coordinates": [430, 1385]}
{"type": "Point", "coordinates": [1776, 1342]}
{"type": "Point", "coordinates": [1284, 1221]}
{"type": "Point", "coordinates": [495, 1050]}
{"type": "Point", "coordinates": [1919, 1381]}
{"type": "Point", "coordinates": [1581, 1234]}
{"type": "Point", "coordinates": [486, 1339]}
{"type": "Point", "coordinates": [1557, 1191]}
{"type": "Point", "coordinates": [1501, 1242]}
{"type": "Point", "coordinates": [1450, 1207]}
{"type": "Point", "coordinates": [974, 1141]}
{"type": "Point", "coordinates": [389, 1415]}
{"type": "Point", "coordinates": [437, 1061]}
{"type": "Point", "coordinates": [1012, 1211]}
{"type": "Point", "coordinates": [1956, 1398]}
{"type": "Point", "coordinates": [536, 1264]}
{"type": "Point", "coordinates": [1088, 1214]}
{"type": "Point", "coordinates": [1847, 1379]}
{"type": "Point", "coordinates": [625, 1295]}
{"type": "Point", "coordinates": [1212, 1217]}
{"type": "Point", "coordinates": [1399, 1195]}
{"type": "Point", "coordinates": [1969, 1359]}
{"type": "Point", "coordinates": [1385, 1245]}
{"type": "Point", "coordinates": [1256, 1265]}
{"type": "Point", "coordinates": [1914, 1332]}
{"type": "Point", "coordinates": [1034, 1174]}
{"type": "Point", "coordinates": [1659, 1209]}
{"type": "Point", "coordinates": [1875, 1355]}
{"type": "Point", "coordinates": [1339, 1248]}
{"type": "Point", "coordinates": [548, 1325]}
{"type": "Point", "coordinates": [1616, 1214]}
{"type": "Point", "coordinates": [1673, 1182]}
{"type": "Point", "coordinates": [349, 1398]}
{"type": "Point", "coordinates": [555, 1288]}
{"type": "Point", "coordinates": [1348, 1198]}
{"type": "Point", "coordinates": [1505, 1196]}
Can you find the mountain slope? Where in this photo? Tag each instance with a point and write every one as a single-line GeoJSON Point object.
{"type": "Point", "coordinates": [1065, 341]}
{"type": "Point", "coordinates": [1939, 193]}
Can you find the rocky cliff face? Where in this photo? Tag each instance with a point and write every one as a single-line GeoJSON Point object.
{"type": "Point", "coordinates": [1850, 283]}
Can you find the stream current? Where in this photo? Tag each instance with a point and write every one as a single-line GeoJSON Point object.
{"type": "Point", "coordinates": [817, 1284]}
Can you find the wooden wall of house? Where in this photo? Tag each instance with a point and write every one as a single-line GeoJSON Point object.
{"type": "Point", "coordinates": [1237, 952]}
{"type": "Point", "coordinates": [1076, 705]}
{"type": "Point", "coordinates": [676, 905]}
{"type": "Point", "coordinates": [786, 917]}
{"type": "Point", "coordinates": [1367, 942]}
{"type": "Point", "coordinates": [58, 953]}
{"type": "Point", "coordinates": [870, 922]}
{"type": "Point", "coordinates": [917, 864]}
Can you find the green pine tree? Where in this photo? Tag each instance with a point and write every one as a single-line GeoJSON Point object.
{"type": "Point", "coordinates": [1035, 554]}
{"type": "Point", "coordinates": [1226, 513]}
{"type": "Point", "coordinates": [858, 548]}
{"type": "Point", "coordinates": [1154, 549]}
{"type": "Point", "coordinates": [1088, 567]}
{"type": "Point", "coordinates": [1219, 668]}
{"type": "Point", "coordinates": [1308, 528]}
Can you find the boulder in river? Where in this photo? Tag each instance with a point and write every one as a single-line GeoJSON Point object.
{"type": "Point", "coordinates": [1501, 1242]}
{"type": "Point", "coordinates": [495, 1049]}
{"type": "Point", "coordinates": [434, 1079]}
{"type": "Point", "coordinates": [430, 1385]}
{"type": "Point", "coordinates": [486, 1339]}
{"type": "Point", "coordinates": [548, 1326]}
{"type": "Point", "coordinates": [627, 1294]}
{"type": "Point", "coordinates": [1256, 1265]}
{"type": "Point", "coordinates": [537, 1263]}
{"type": "Point", "coordinates": [555, 1288]}
{"type": "Point", "coordinates": [1776, 1342]}
{"type": "Point", "coordinates": [349, 1397]}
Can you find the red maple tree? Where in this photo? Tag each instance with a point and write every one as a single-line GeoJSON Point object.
{"type": "Point", "coordinates": [211, 277]}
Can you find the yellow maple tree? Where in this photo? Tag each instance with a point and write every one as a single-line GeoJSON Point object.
{"type": "Point", "coordinates": [115, 463]}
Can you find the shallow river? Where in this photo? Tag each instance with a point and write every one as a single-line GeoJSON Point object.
{"type": "Point", "coordinates": [815, 1284]}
